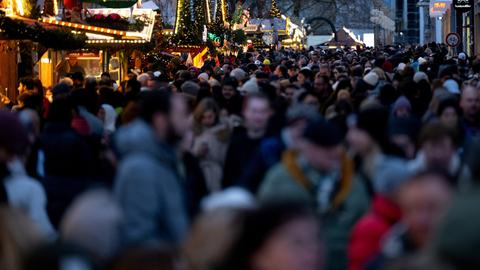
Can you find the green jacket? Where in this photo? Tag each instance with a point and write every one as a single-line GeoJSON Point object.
{"type": "Point", "coordinates": [287, 181]}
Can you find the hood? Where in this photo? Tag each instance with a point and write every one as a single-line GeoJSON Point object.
{"type": "Point", "coordinates": [138, 137]}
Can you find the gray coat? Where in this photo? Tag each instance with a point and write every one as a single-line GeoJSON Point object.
{"type": "Point", "coordinates": [148, 188]}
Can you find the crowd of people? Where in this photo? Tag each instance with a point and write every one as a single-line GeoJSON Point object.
{"type": "Point", "coordinates": [346, 159]}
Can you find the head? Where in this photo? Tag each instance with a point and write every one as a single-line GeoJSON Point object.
{"type": "Point", "coordinates": [105, 77]}
{"type": "Point", "coordinates": [324, 71]}
{"type": "Point", "coordinates": [368, 131]}
{"type": "Point", "coordinates": [167, 114]}
{"type": "Point", "coordinates": [229, 88]}
{"type": "Point", "coordinates": [18, 237]}
{"type": "Point", "coordinates": [293, 71]}
{"type": "Point", "coordinates": [72, 60]}
{"type": "Point", "coordinates": [449, 113]}
{"type": "Point", "coordinates": [309, 98]}
{"type": "Point", "coordinates": [321, 146]}
{"type": "Point", "coordinates": [13, 138]}
{"type": "Point", "coordinates": [277, 237]}
{"type": "Point", "coordinates": [438, 143]}
{"type": "Point", "coordinates": [424, 198]}
{"type": "Point", "coordinates": [289, 91]}
{"type": "Point", "coordinates": [470, 102]}
{"type": "Point", "coordinates": [321, 85]}
{"type": "Point", "coordinates": [298, 118]}
{"type": "Point", "coordinates": [257, 111]}
{"type": "Point", "coordinates": [206, 113]}
{"type": "Point", "coordinates": [26, 85]}
{"type": "Point", "coordinates": [281, 71]}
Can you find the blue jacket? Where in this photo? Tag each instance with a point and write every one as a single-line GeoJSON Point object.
{"type": "Point", "coordinates": [148, 188]}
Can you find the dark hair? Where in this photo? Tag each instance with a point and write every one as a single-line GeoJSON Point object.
{"type": "Point", "coordinates": [436, 131]}
{"type": "Point", "coordinates": [29, 83]}
{"type": "Point", "coordinates": [449, 103]}
{"type": "Point", "coordinates": [155, 101]}
{"type": "Point", "coordinates": [60, 111]}
{"type": "Point", "coordinates": [258, 226]}
{"type": "Point", "coordinates": [229, 81]}
{"type": "Point", "coordinates": [283, 69]}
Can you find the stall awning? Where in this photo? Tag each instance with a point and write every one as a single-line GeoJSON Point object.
{"type": "Point", "coordinates": [113, 3]}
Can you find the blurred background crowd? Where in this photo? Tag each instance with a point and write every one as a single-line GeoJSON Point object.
{"type": "Point", "coordinates": [272, 160]}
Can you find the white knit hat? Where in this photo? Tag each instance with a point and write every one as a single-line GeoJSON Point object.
{"type": "Point", "coordinates": [419, 76]}
{"type": "Point", "coordinates": [371, 78]}
{"type": "Point", "coordinates": [401, 66]}
{"type": "Point", "coordinates": [203, 77]}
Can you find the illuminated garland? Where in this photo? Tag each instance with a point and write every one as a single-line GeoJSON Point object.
{"type": "Point", "coordinates": [57, 39]}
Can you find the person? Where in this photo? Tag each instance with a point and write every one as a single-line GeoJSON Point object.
{"type": "Point", "coordinates": [321, 175]}
{"type": "Point", "coordinates": [245, 140]}
{"type": "Point", "coordinates": [470, 104]}
{"type": "Point", "coordinates": [74, 66]}
{"type": "Point", "coordinates": [365, 239]}
{"type": "Point", "coordinates": [18, 237]}
{"type": "Point", "coordinates": [423, 200]}
{"type": "Point", "coordinates": [148, 182]}
{"type": "Point", "coordinates": [66, 163]}
{"type": "Point", "coordinates": [270, 150]}
{"type": "Point", "coordinates": [276, 237]}
{"type": "Point", "coordinates": [230, 100]}
{"type": "Point", "coordinates": [438, 149]}
{"type": "Point", "coordinates": [210, 142]}
{"type": "Point", "coordinates": [18, 190]}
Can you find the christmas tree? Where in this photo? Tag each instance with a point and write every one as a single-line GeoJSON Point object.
{"type": "Point", "coordinates": [274, 10]}
{"type": "Point", "coordinates": [185, 29]}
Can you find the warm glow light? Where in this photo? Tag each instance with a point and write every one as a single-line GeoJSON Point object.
{"type": "Point", "coordinates": [20, 9]}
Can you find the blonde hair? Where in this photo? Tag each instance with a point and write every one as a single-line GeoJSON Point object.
{"type": "Point", "coordinates": [18, 236]}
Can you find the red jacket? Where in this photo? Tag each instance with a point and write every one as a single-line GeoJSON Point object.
{"type": "Point", "coordinates": [369, 231]}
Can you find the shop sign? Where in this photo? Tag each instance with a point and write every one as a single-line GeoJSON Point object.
{"type": "Point", "coordinates": [463, 5]}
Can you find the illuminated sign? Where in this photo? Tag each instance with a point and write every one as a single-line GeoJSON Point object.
{"type": "Point", "coordinates": [439, 7]}
{"type": "Point", "coordinates": [463, 5]}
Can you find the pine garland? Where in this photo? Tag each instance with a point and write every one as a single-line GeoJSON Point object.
{"type": "Point", "coordinates": [57, 39]}
{"type": "Point", "coordinates": [186, 32]}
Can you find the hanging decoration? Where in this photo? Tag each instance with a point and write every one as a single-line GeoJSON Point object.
{"type": "Point", "coordinates": [57, 39]}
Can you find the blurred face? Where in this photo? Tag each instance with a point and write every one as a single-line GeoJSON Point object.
{"type": "Point", "coordinates": [228, 91]}
{"type": "Point", "coordinates": [72, 60]}
{"type": "Point", "coordinates": [324, 71]}
{"type": "Point", "coordinates": [179, 116]}
{"type": "Point", "coordinates": [423, 205]}
{"type": "Point", "coordinates": [312, 100]}
{"type": "Point", "coordinates": [404, 142]}
{"type": "Point", "coordinates": [292, 72]}
{"type": "Point", "coordinates": [278, 72]}
{"type": "Point", "coordinates": [439, 153]}
{"type": "Point", "coordinates": [449, 117]}
{"type": "Point", "coordinates": [208, 118]}
{"type": "Point", "coordinates": [359, 141]}
{"type": "Point", "coordinates": [320, 85]}
{"type": "Point", "coordinates": [294, 246]}
{"type": "Point", "coordinates": [288, 94]}
{"type": "Point", "coordinates": [301, 78]}
{"type": "Point", "coordinates": [257, 112]}
{"type": "Point", "coordinates": [323, 159]}
{"type": "Point", "coordinates": [470, 102]}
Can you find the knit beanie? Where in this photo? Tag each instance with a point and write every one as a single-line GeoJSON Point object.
{"type": "Point", "coordinates": [374, 121]}
{"type": "Point", "coordinates": [371, 78]}
{"type": "Point", "coordinates": [323, 133]}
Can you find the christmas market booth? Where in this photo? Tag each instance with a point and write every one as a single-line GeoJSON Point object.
{"type": "Point", "coordinates": [265, 33]}
{"type": "Point", "coordinates": [52, 43]}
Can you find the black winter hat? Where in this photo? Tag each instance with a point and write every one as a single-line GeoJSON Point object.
{"type": "Point", "coordinates": [323, 133]}
{"type": "Point", "coordinates": [374, 121]}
